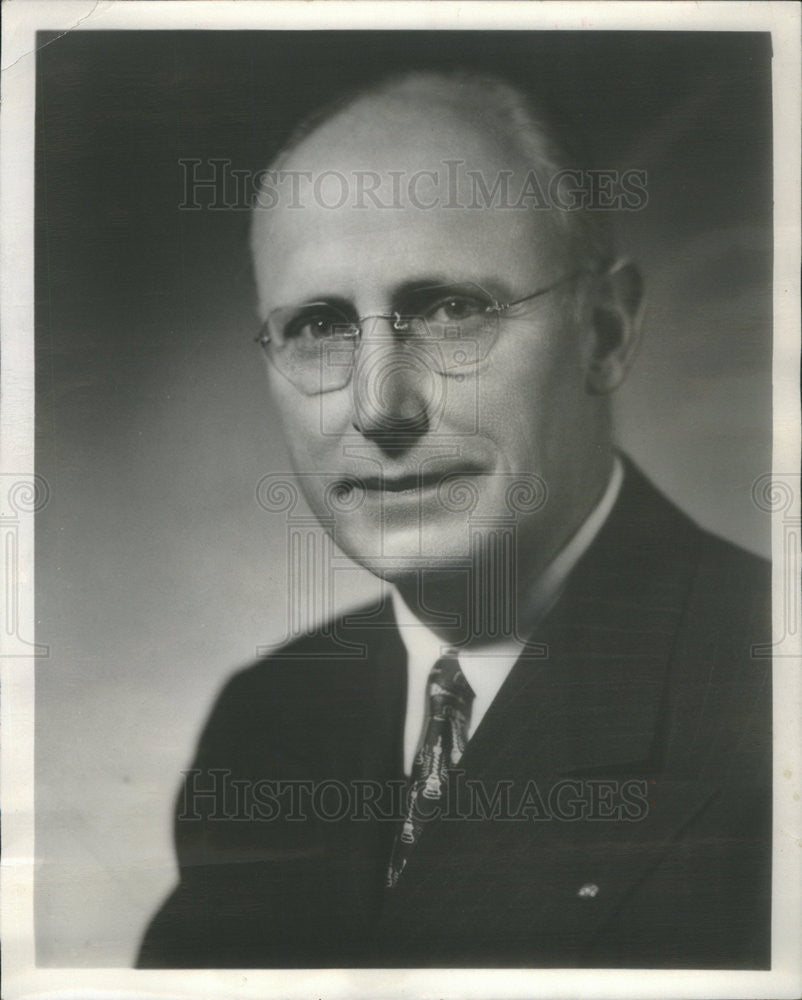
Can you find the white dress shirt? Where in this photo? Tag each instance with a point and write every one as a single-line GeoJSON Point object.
{"type": "Point", "coordinates": [486, 667]}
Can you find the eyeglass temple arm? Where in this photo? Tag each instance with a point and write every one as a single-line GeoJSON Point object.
{"type": "Point", "coordinates": [503, 306]}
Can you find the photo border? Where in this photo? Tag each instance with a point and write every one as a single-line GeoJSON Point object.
{"type": "Point", "coordinates": [21, 21]}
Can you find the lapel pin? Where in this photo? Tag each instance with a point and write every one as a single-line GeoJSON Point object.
{"type": "Point", "coordinates": [588, 891]}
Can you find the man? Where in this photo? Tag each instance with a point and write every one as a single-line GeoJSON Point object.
{"type": "Point", "coordinates": [553, 741]}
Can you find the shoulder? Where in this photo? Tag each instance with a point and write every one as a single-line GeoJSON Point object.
{"type": "Point", "coordinates": [310, 676]}
{"type": "Point", "coordinates": [718, 594]}
{"type": "Point", "coordinates": [659, 530]}
{"type": "Point", "coordinates": [720, 686]}
{"type": "Point", "coordinates": [730, 591]}
{"type": "Point", "coordinates": [743, 571]}
{"type": "Point", "coordinates": [727, 620]}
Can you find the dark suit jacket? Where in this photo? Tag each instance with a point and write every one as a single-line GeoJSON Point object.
{"type": "Point", "coordinates": [641, 688]}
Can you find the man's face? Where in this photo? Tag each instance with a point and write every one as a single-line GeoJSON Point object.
{"type": "Point", "coordinates": [414, 464]}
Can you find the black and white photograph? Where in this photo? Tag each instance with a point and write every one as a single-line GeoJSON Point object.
{"type": "Point", "coordinates": [400, 500]}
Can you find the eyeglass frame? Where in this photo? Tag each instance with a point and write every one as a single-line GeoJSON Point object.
{"type": "Point", "coordinates": [397, 318]}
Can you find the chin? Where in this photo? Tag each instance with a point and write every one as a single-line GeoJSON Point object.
{"type": "Point", "coordinates": [396, 554]}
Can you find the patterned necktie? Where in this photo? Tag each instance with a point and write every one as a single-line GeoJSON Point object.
{"type": "Point", "coordinates": [449, 700]}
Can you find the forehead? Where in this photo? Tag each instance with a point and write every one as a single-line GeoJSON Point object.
{"type": "Point", "coordinates": [393, 190]}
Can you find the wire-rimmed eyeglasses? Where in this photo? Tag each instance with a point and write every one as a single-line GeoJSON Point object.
{"type": "Point", "coordinates": [451, 326]}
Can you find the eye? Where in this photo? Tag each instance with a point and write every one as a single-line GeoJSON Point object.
{"type": "Point", "coordinates": [456, 308]}
{"type": "Point", "coordinates": [319, 324]}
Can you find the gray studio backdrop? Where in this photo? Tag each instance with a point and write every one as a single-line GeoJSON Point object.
{"type": "Point", "coordinates": [158, 571]}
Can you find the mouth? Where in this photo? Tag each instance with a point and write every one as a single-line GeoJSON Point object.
{"type": "Point", "coordinates": [409, 484]}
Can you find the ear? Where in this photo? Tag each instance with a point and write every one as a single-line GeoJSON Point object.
{"type": "Point", "coordinates": [616, 320]}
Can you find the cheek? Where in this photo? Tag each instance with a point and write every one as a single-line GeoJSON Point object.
{"type": "Point", "coordinates": [304, 424]}
{"type": "Point", "coordinates": [314, 455]}
{"type": "Point", "coordinates": [534, 381]}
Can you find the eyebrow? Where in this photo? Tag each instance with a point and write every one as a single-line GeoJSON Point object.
{"type": "Point", "coordinates": [346, 305]}
{"type": "Point", "coordinates": [409, 287]}
{"type": "Point", "coordinates": [492, 285]}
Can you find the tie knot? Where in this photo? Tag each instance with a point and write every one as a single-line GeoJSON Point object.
{"type": "Point", "coordinates": [448, 684]}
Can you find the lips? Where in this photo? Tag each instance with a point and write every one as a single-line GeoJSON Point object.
{"type": "Point", "coordinates": [403, 484]}
{"type": "Point", "coordinates": [413, 482]}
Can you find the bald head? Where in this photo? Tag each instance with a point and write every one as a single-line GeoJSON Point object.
{"type": "Point", "coordinates": [446, 118]}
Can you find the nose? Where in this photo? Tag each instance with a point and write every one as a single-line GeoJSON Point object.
{"type": "Point", "coordinates": [394, 390]}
